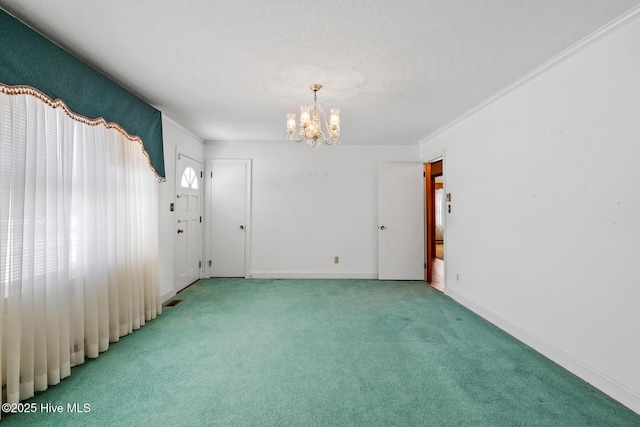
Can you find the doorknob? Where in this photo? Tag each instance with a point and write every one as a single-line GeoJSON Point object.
{"type": "Point", "coordinates": [382, 227]}
{"type": "Point", "coordinates": [242, 227]}
{"type": "Point", "coordinates": [180, 230]}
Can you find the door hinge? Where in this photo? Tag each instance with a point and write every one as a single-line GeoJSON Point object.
{"type": "Point", "coordinates": [211, 174]}
{"type": "Point", "coordinates": [424, 174]}
{"type": "Point", "coordinates": [200, 219]}
{"type": "Point", "coordinates": [425, 265]}
{"type": "Point", "coordinates": [199, 264]}
{"type": "Point", "coordinates": [200, 174]}
{"type": "Point", "coordinates": [209, 263]}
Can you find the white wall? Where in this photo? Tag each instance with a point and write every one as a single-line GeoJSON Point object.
{"type": "Point", "coordinates": [311, 205]}
{"type": "Point", "coordinates": [545, 225]}
{"type": "Point", "coordinates": [174, 136]}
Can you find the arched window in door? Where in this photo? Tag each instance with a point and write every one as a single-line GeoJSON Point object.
{"type": "Point", "coordinates": [189, 179]}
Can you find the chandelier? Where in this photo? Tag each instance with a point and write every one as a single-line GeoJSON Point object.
{"type": "Point", "coordinates": [311, 118]}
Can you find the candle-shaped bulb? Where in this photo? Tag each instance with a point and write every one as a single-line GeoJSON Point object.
{"type": "Point", "coordinates": [305, 117]}
{"type": "Point", "coordinates": [291, 122]}
{"type": "Point", "coordinates": [334, 119]}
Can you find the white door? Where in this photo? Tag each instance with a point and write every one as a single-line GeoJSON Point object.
{"type": "Point", "coordinates": [188, 227]}
{"type": "Point", "coordinates": [227, 214]}
{"type": "Point", "coordinates": [401, 221]}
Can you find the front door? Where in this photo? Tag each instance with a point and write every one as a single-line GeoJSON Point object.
{"type": "Point", "coordinates": [188, 227]}
{"type": "Point", "coordinates": [401, 221]}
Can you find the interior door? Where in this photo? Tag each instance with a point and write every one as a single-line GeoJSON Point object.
{"type": "Point", "coordinates": [401, 221]}
{"type": "Point", "coordinates": [188, 214]}
{"type": "Point", "coordinates": [228, 216]}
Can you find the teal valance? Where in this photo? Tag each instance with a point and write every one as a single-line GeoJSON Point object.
{"type": "Point", "coordinates": [29, 59]}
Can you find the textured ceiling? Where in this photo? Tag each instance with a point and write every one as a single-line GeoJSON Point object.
{"type": "Point", "coordinates": [399, 71]}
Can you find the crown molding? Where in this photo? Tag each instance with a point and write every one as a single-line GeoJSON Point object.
{"type": "Point", "coordinates": [563, 56]}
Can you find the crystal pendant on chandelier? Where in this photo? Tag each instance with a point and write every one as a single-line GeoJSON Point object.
{"type": "Point", "coordinates": [311, 118]}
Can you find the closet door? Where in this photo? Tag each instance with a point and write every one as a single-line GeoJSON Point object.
{"type": "Point", "coordinates": [401, 221]}
{"type": "Point", "coordinates": [228, 217]}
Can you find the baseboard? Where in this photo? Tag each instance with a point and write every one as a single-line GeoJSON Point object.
{"type": "Point", "coordinates": [602, 382]}
{"type": "Point", "coordinates": [168, 295]}
{"type": "Point", "coordinates": [309, 275]}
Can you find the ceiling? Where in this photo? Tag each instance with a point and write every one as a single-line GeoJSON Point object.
{"type": "Point", "coordinates": [399, 71]}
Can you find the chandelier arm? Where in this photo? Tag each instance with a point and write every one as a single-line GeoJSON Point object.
{"type": "Point", "coordinates": [294, 139]}
{"type": "Point", "coordinates": [320, 112]}
{"type": "Point", "coordinates": [332, 140]}
{"type": "Point", "coordinates": [322, 135]}
{"type": "Point", "coordinates": [298, 135]}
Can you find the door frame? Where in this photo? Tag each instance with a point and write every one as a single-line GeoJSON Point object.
{"type": "Point", "coordinates": [432, 158]}
{"type": "Point", "coordinates": [208, 165]}
{"type": "Point", "coordinates": [179, 153]}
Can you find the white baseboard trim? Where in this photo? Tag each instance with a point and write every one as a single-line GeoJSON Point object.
{"type": "Point", "coordinates": [168, 295]}
{"type": "Point", "coordinates": [602, 382]}
{"type": "Point", "coordinates": [309, 275]}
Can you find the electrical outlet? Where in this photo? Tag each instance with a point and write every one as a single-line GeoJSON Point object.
{"type": "Point", "coordinates": [336, 260]}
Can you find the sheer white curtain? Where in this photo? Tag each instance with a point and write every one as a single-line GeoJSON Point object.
{"type": "Point", "coordinates": [78, 241]}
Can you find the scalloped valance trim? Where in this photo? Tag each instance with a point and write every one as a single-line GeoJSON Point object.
{"type": "Point", "coordinates": [58, 103]}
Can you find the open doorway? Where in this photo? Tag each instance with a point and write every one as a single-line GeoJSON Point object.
{"type": "Point", "coordinates": [434, 236]}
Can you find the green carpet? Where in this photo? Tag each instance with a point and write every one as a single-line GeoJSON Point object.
{"type": "Point", "coordinates": [322, 353]}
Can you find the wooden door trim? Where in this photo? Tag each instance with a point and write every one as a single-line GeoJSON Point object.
{"type": "Point", "coordinates": [430, 223]}
{"type": "Point", "coordinates": [431, 171]}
